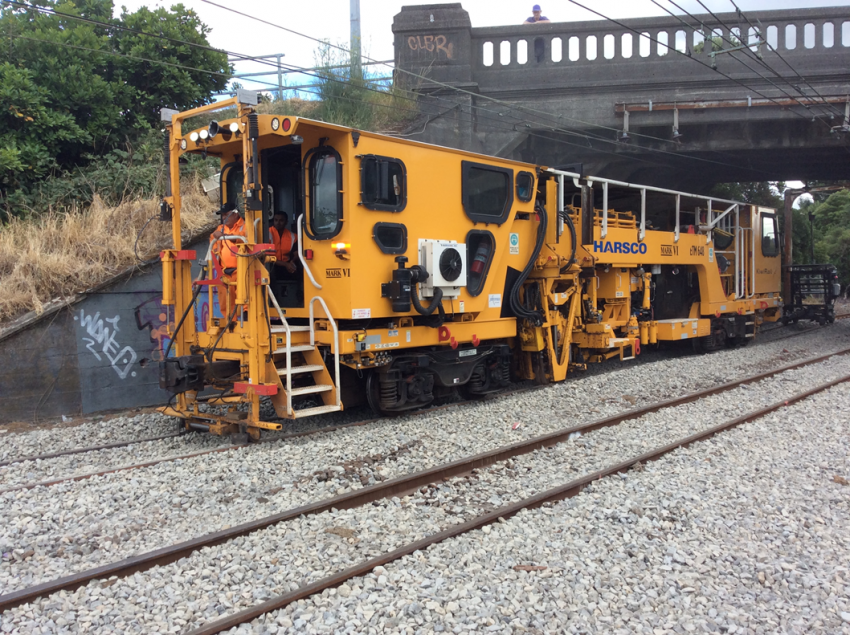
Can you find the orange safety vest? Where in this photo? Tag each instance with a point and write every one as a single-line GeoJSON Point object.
{"type": "Point", "coordinates": [226, 250]}
{"type": "Point", "coordinates": [282, 244]}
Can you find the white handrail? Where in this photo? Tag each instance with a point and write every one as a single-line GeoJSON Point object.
{"type": "Point", "coordinates": [637, 186]}
{"type": "Point", "coordinates": [301, 255]}
{"type": "Point", "coordinates": [288, 352]}
{"type": "Point", "coordinates": [336, 340]}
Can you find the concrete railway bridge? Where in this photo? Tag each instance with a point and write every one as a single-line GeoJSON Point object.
{"type": "Point", "coordinates": [642, 100]}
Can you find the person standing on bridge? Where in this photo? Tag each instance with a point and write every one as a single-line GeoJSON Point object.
{"type": "Point", "coordinates": [536, 17]}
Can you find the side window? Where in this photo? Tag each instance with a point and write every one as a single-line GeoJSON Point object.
{"type": "Point", "coordinates": [391, 238]}
{"type": "Point", "coordinates": [769, 236]}
{"type": "Point", "coordinates": [232, 182]}
{"type": "Point", "coordinates": [481, 246]}
{"type": "Point", "coordinates": [383, 183]}
{"type": "Point", "coordinates": [487, 192]}
{"type": "Point", "coordinates": [524, 185]}
{"type": "Point", "coordinates": [325, 173]}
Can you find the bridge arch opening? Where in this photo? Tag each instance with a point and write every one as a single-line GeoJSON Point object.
{"type": "Point", "coordinates": [626, 44]}
{"type": "Point", "coordinates": [809, 40]}
{"type": "Point", "coordinates": [487, 54]}
{"type": "Point", "coordinates": [504, 53]}
{"type": "Point", "coordinates": [845, 34]}
{"type": "Point", "coordinates": [609, 46]}
{"type": "Point", "coordinates": [773, 37]}
{"type": "Point", "coordinates": [681, 41]}
{"type": "Point", "coordinates": [557, 52]}
{"type": "Point", "coordinates": [590, 47]}
{"type": "Point", "coordinates": [645, 45]}
{"type": "Point", "coordinates": [522, 52]}
{"type": "Point", "coordinates": [828, 35]}
{"type": "Point", "coordinates": [574, 47]}
{"type": "Point", "coordinates": [790, 36]}
{"type": "Point", "coordinates": [663, 40]}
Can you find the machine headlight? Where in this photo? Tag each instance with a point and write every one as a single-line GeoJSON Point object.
{"type": "Point", "coordinates": [204, 133]}
{"type": "Point", "coordinates": [234, 127]}
{"type": "Point", "coordinates": [275, 124]}
{"type": "Point", "coordinates": [183, 144]}
{"type": "Point", "coordinates": [194, 137]}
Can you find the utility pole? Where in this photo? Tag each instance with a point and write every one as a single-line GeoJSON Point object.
{"type": "Point", "coordinates": [356, 69]}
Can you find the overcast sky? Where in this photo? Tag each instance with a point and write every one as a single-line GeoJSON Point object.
{"type": "Point", "coordinates": [329, 19]}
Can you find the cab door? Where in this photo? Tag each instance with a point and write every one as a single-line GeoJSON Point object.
{"type": "Point", "coordinates": [768, 260]}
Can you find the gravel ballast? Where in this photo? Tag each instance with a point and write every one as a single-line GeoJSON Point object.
{"type": "Point", "coordinates": [51, 532]}
{"type": "Point", "coordinates": [249, 569]}
{"type": "Point", "coordinates": [744, 533]}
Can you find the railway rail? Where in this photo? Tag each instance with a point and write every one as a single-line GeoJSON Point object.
{"type": "Point", "coordinates": [394, 487]}
{"type": "Point", "coordinates": [284, 437]}
{"type": "Point", "coordinates": [567, 490]}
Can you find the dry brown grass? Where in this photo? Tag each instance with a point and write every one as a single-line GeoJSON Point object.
{"type": "Point", "coordinates": [60, 254]}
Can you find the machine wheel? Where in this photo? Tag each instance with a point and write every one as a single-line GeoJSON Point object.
{"type": "Point", "coordinates": [373, 395]}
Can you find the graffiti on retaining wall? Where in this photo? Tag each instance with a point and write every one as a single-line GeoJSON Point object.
{"type": "Point", "coordinates": [152, 314]}
{"type": "Point", "coordinates": [101, 340]}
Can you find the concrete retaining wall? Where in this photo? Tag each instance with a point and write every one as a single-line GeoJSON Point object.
{"type": "Point", "coordinates": [99, 352]}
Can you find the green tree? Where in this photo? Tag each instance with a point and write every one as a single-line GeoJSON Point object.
{"type": "Point", "coordinates": [93, 86]}
{"type": "Point", "coordinates": [31, 132]}
{"type": "Point", "coordinates": [832, 233]}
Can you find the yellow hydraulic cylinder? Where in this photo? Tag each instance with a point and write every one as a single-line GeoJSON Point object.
{"type": "Point", "coordinates": [644, 332]}
{"type": "Point", "coordinates": [647, 279]}
{"type": "Point", "coordinates": [168, 278]}
{"type": "Point", "coordinates": [653, 332]}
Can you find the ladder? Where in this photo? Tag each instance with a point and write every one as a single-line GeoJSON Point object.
{"type": "Point", "coordinates": [296, 342]}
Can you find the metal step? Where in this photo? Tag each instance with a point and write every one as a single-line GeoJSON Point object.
{"type": "Point", "coordinates": [295, 348]}
{"type": "Point", "coordinates": [307, 390]}
{"type": "Point", "coordinates": [309, 368]}
{"type": "Point", "coordinates": [312, 412]}
{"type": "Point", "coordinates": [292, 329]}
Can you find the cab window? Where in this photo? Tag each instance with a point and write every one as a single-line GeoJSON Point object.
{"type": "Point", "coordinates": [487, 192]}
{"type": "Point", "coordinates": [382, 183]}
{"type": "Point", "coordinates": [769, 236]}
{"type": "Point", "coordinates": [325, 193]}
{"type": "Point", "coordinates": [231, 186]}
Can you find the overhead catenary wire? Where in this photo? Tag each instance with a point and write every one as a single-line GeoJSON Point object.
{"type": "Point", "coordinates": [779, 55]}
{"type": "Point", "coordinates": [748, 53]}
{"type": "Point", "coordinates": [556, 127]}
{"type": "Point", "coordinates": [327, 77]}
{"type": "Point", "coordinates": [745, 50]}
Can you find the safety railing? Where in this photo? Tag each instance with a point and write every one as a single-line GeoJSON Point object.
{"type": "Point", "coordinates": [332, 322]}
{"type": "Point", "coordinates": [637, 41]}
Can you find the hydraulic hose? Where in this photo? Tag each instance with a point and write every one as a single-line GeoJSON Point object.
{"type": "Point", "coordinates": [195, 294]}
{"type": "Point", "coordinates": [521, 311]}
{"type": "Point", "coordinates": [436, 303]}
{"type": "Point", "coordinates": [569, 222]}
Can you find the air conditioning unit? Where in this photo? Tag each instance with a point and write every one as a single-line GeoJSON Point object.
{"type": "Point", "coordinates": [445, 260]}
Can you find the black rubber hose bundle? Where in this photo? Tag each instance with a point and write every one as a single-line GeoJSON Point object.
{"type": "Point", "coordinates": [521, 311]}
{"type": "Point", "coordinates": [436, 304]}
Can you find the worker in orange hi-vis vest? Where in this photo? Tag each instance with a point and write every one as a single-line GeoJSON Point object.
{"type": "Point", "coordinates": [284, 241]}
{"type": "Point", "coordinates": [226, 251]}
{"type": "Point", "coordinates": [284, 245]}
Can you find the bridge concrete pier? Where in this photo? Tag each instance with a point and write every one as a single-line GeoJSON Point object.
{"type": "Point", "coordinates": [562, 93]}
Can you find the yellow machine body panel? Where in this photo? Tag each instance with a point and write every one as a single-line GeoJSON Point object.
{"type": "Point", "coordinates": [419, 270]}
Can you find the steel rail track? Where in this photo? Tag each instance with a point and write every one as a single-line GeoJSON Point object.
{"type": "Point", "coordinates": [393, 487]}
{"type": "Point", "coordinates": [558, 493]}
{"type": "Point", "coordinates": [108, 446]}
{"type": "Point", "coordinates": [284, 437]}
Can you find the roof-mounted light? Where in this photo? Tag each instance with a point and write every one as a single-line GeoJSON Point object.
{"type": "Point", "coordinates": [194, 137]}
{"type": "Point", "coordinates": [204, 134]}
